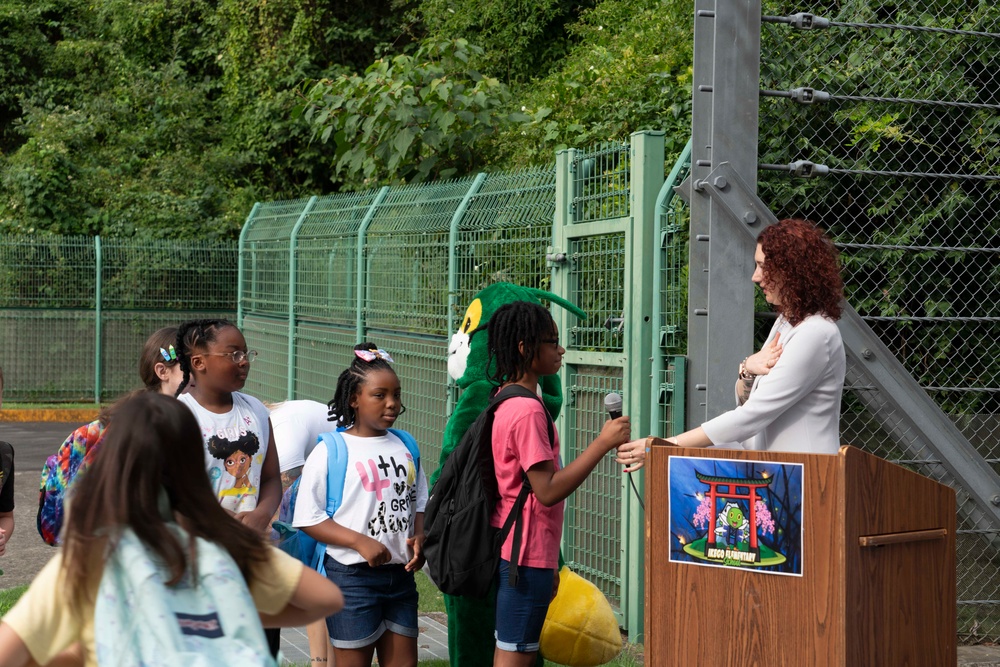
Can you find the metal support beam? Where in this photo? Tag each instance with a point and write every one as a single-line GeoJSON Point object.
{"type": "Point", "coordinates": [726, 85]}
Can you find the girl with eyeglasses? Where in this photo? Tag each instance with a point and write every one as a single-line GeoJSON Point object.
{"type": "Point", "coordinates": [523, 346]}
{"type": "Point", "coordinates": [240, 456]}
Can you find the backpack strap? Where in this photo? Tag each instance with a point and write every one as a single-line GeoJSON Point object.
{"type": "Point", "coordinates": [336, 466]}
{"type": "Point", "coordinates": [515, 518]}
{"type": "Point", "coordinates": [411, 445]}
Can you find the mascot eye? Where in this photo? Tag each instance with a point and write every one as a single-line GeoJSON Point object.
{"type": "Point", "coordinates": [472, 316]}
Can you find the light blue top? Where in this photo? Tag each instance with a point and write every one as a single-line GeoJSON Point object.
{"type": "Point", "coordinates": [795, 407]}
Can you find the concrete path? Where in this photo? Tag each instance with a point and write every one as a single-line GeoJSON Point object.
{"type": "Point", "coordinates": [431, 645]}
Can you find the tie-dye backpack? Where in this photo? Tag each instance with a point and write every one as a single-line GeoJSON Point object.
{"type": "Point", "coordinates": [58, 474]}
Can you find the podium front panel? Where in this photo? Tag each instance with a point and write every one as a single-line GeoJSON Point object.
{"type": "Point", "coordinates": [877, 579]}
{"type": "Point", "coordinates": [745, 615]}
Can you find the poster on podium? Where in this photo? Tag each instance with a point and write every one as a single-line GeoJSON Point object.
{"type": "Point", "coordinates": [736, 514]}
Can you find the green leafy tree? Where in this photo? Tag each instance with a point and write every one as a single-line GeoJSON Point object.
{"type": "Point", "coordinates": [269, 48]}
{"type": "Point", "coordinates": [409, 118]}
{"type": "Point", "coordinates": [629, 70]}
{"type": "Point", "coordinates": [521, 41]}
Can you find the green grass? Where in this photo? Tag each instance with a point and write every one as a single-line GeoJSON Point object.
{"type": "Point", "coordinates": [431, 598]}
{"type": "Point", "coordinates": [9, 596]}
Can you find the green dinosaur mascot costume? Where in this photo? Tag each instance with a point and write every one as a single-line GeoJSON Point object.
{"type": "Point", "coordinates": [471, 620]}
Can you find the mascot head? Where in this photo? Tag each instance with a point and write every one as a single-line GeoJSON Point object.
{"type": "Point", "coordinates": [467, 354]}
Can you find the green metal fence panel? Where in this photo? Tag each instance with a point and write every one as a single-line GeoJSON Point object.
{"type": "Point", "coordinates": [504, 234]}
{"type": "Point", "coordinates": [322, 351]}
{"type": "Point", "coordinates": [268, 378]}
{"type": "Point", "coordinates": [75, 311]}
{"type": "Point", "coordinates": [670, 305]}
{"type": "Point", "coordinates": [266, 238]}
{"type": "Point", "coordinates": [327, 262]}
{"type": "Point", "coordinates": [47, 355]}
{"type": "Point", "coordinates": [406, 253]}
{"type": "Point", "coordinates": [592, 534]}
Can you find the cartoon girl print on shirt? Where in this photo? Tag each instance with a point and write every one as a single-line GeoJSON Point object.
{"type": "Point", "coordinates": [237, 457]}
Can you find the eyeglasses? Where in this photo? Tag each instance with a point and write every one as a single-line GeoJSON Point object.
{"type": "Point", "coordinates": [236, 357]}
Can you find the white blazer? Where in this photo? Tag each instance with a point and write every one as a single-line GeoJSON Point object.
{"type": "Point", "coordinates": [795, 407]}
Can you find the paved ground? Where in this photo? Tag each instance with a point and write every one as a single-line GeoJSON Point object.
{"type": "Point", "coordinates": [26, 553]}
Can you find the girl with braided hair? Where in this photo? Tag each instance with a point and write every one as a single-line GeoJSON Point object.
{"type": "Point", "coordinates": [374, 538]}
{"type": "Point", "coordinates": [523, 347]}
{"type": "Point", "coordinates": [240, 455]}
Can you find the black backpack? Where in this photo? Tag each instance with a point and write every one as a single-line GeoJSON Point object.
{"type": "Point", "coordinates": [461, 547]}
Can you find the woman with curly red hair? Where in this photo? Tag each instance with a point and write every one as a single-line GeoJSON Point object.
{"type": "Point", "coordinates": [788, 393]}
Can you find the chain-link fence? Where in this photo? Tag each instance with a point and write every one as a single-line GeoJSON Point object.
{"type": "Point", "coordinates": [75, 311]}
{"type": "Point", "coordinates": [879, 120]}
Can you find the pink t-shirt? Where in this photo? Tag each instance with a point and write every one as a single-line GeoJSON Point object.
{"type": "Point", "coordinates": [521, 440]}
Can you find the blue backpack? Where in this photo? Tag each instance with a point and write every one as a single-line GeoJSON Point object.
{"type": "Point", "coordinates": [211, 620]}
{"type": "Point", "coordinates": [294, 541]}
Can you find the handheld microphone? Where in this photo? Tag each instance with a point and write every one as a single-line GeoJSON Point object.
{"type": "Point", "coordinates": [613, 404]}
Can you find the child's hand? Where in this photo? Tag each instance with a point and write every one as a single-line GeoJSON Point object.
{"type": "Point", "coordinates": [417, 544]}
{"type": "Point", "coordinates": [615, 432]}
{"type": "Point", "coordinates": [3, 541]}
{"type": "Point", "coordinates": [259, 521]}
{"type": "Point", "coordinates": [374, 551]}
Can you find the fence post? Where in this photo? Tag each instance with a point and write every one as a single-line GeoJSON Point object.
{"type": "Point", "coordinates": [647, 156]}
{"type": "Point", "coordinates": [292, 281]}
{"type": "Point", "coordinates": [456, 220]}
{"type": "Point", "coordinates": [241, 265]}
{"type": "Point", "coordinates": [659, 365]}
{"type": "Point", "coordinates": [98, 316]}
{"type": "Point", "coordinates": [359, 321]}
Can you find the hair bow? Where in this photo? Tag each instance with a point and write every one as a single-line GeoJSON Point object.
{"type": "Point", "coordinates": [169, 356]}
{"type": "Point", "coordinates": [372, 355]}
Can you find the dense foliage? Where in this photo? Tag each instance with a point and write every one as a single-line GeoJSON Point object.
{"type": "Point", "coordinates": [169, 118]}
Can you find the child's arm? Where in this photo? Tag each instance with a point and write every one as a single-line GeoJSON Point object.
{"type": "Point", "coordinates": [314, 598]}
{"type": "Point", "coordinates": [331, 532]}
{"type": "Point", "coordinates": [311, 517]}
{"type": "Point", "coordinates": [269, 494]}
{"type": "Point", "coordinates": [416, 543]}
{"type": "Point", "coordinates": [6, 528]}
{"type": "Point", "coordinates": [13, 651]}
{"type": "Point", "coordinates": [551, 486]}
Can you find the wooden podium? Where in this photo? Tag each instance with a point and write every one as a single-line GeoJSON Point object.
{"type": "Point", "coordinates": [877, 580]}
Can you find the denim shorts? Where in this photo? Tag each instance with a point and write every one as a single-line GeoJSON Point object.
{"type": "Point", "coordinates": [376, 599]}
{"type": "Point", "coordinates": [521, 611]}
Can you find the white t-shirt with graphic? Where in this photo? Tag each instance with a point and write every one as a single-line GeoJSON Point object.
{"type": "Point", "coordinates": [383, 492]}
{"type": "Point", "coordinates": [235, 445]}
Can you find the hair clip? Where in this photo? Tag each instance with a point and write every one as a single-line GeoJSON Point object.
{"type": "Point", "coordinates": [169, 356]}
{"type": "Point", "coordinates": [372, 355]}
